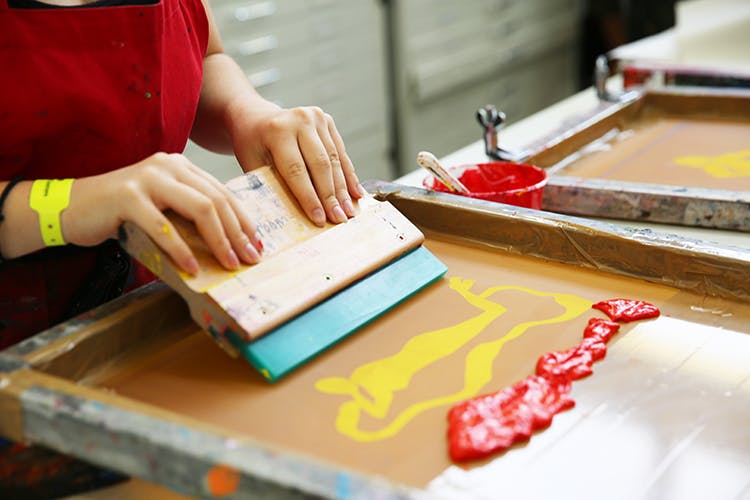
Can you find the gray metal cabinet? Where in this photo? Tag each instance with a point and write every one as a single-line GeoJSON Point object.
{"type": "Point", "coordinates": [327, 53]}
{"type": "Point", "coordinates": [452, 57]}
{"type": "Point", "coordinates": [400, 76]}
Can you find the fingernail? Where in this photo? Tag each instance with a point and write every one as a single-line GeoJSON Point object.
{"type": "Point", "coordinates": [192, 266]}
{"type": "Point", "coordinates": [349, 207]}
{"type": "Point", "coordinates": [234, 262]}
{"type": "Point", "coordinates": [258, 242]}
{"type": "Point", "coordinates": [318, 216]}
{"type": "Point", "coordinates": [252, 253]}
{"type": "Point", "coordinates": [339, 215]}
{"type": "Point", "coordinates": [362, 190]}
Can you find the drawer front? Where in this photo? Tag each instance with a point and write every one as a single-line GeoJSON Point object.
{"type": "Point", "coordinates": [431, 77]}
{"type": "Point", "coordinates": [446, 44]}
{"type": "Point", "coordinates": [329, 57]}
{"type": "Point", "coordinates": [240, 17]}
{"type": "Point", "coordinates": [355, 100]}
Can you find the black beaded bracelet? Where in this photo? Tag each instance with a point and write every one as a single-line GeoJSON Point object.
{"type": "Point", "coordinates": [8, 187]}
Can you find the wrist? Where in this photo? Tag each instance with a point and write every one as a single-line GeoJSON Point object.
{"type": "Point", "coordinates": [49, 198]}
{"type": "Point", "coordinates": [247, 112]}
{"type": "Point", "coordinates": [88, 219]}
{"type": "Point", "coordinates": [19, 230]}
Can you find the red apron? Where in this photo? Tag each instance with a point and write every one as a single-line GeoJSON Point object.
{"type": "Point", "coordinates": [84, 91]}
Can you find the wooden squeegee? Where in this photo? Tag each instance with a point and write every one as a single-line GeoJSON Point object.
{"type": "Point", "coordinates": [314, 285]}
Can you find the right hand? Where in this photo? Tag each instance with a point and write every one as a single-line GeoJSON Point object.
{"type": "Point", "coordinates": [140, 193]}
{"type": "Point", "coordinates": [306, 149]}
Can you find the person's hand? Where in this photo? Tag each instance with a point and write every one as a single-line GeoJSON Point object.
{"type": "Point", "coordinates": [141, 193]}
{"type": "Point", "coordinates": [305, 147]}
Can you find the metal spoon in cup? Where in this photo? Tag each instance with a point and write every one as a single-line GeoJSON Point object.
{"type": "Point", "coordinates": [428, 161]}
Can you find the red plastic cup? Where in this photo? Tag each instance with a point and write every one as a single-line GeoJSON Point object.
{"type": "Point", "coordinates": [505, 182]}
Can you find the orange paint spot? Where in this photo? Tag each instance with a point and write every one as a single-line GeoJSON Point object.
{"type": "Point", "coordinates": [222, 480]}
{"type": "Point", "coordinates": [207, 318]}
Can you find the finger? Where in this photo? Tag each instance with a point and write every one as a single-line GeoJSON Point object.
{"type": "Point", "coordinates": [339, 182]}
{"type": "Point", "coordinates": [247, 226]}
{"type": "Point", "coordinates": [289, 162]}
{"type": "Point", "coordinates": [199, 208]}
{"type": "Point", "coordinates": [352, 181]}
{"type": "Point", "coordinates": [237, 224]}
{"type": "Point", "coordinates": [163, 233]}
{"type": "Point", "coordinates": [319, 165]}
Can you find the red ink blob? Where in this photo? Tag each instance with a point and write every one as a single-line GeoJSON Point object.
{"type": "Point", "coordinates": [207, 318]}
{"type": "Point", "coordinates": [627, 310]}
{"type": "Point", "coordinates": [601, 329]}
{"type": "Point", "coordinates": [487, 424]}
{"type": "Point", "coordinates": [571, 364]}
{"type": "Point", "coordinates": [490, 423]}
{"type": "Point", "coordinates": [576, 362]}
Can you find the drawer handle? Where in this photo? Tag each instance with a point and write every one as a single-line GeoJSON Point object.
{"type": "Point", "coordinates": [256, 11]}
{"type": "Point", "coordinates": [265, 77]}
{"type": "Point", "coordinates": [258, 45]}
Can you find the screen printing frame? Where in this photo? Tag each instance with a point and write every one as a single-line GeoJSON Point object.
{"type": "Point", "coordinates": [640, 201]}
{"type": "Point", "coordinates": [44, 397]}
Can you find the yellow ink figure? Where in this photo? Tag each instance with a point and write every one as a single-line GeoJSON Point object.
{"type": "Point", "coordinates": [730, 165]}
{"type": "Point", "coordinates": [373, 386]}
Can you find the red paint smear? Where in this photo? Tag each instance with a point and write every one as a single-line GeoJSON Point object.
{"type": "Point", "coordinates": [601, 329]}
{"type": "Point", "coordinates": [627, 310]}
{"type": "Point", "coordinates": [28, 467]}
{"type": "Point", "coordinates": [487, 424]}
{"type": "Point", "coordinates": [222, 480]}
{"type": "Point", "coordinates": [207, 318]}
{"type": "Point", "coordinates": [577, 362]}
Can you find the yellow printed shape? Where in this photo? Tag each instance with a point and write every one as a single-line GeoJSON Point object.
{"type": "Point", "coordinates": [723, 166]}
{"type": "Point", "coordinates": [152, 261]}
{"type": "Point", "coordinates": [372, 386]}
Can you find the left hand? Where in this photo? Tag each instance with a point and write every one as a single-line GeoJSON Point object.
{"type": "Point", "coordinates": [305, 147]}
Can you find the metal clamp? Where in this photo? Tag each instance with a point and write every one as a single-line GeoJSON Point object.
{"type": "Point", "coordinates": [601, 73]}
{"type": "Point", "coordinates": [492, 121]}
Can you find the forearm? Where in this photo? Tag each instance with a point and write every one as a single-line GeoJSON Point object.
{"type": "Point", "coordinates": [226, 97]}
{"type": "Point", "coordinates": [139, 193]}
{"type": "Point", "coordinates": [86, 220]}
{"type": "Point", "coordinates": [19, 233]}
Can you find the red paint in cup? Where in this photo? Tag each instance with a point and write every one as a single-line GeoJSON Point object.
{"type": "Point", "coordinates": [505, 182]}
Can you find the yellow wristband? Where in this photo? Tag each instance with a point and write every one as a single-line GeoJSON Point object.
{"type": "Point", "coordinates": [49, 197]}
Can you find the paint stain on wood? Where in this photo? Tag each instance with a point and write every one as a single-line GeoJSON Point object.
{"type": "Point", "coordinates": [222, 480]}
